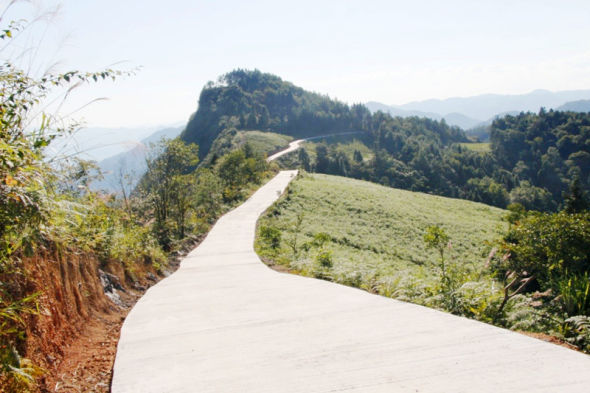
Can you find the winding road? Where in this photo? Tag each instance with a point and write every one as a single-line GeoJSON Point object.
{"type": "Point", "coordinates": [296, 144]}
{"type": "Point", "coordinates": [225, 322]}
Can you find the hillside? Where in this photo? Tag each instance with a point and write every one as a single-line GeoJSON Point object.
{"type": "Point", "coordinates": [128, 167]}
{"type": "Point", "coordinates": [546, 150]}
{"type": "Point", "coordinates": [532, 159]}
{"type": "Point", "coordinates": [247, 100]}
{"type": "Point", "coordinates": [252, 100]}
{"type": "Point", "coordinates": [374, 233]}
{"type": "Point", "coordinates": [264, 143]}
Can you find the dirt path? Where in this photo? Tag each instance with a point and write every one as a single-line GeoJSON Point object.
{"type": "Point", "coordinates": [89, 359]}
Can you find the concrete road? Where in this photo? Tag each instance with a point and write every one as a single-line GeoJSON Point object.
{"type": "Point", "coordinates": [224, 322]}
{"type": "Point", "coordinates": [297, 144]}
{"type": "Point", "coordinates": [292, 147]}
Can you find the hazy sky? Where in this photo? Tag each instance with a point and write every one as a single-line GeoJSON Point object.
{"type": "Point", "coordinates": [357, 51]}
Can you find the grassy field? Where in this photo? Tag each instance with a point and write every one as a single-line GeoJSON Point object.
{"type": "Point", "coordinates": [372, 236]}
{"type": "Point", "coordinates": [264, 142]}
{"type": "Point", "coordinates": [380, 227]}
{"type": "Point", "coordinates": [343, 143]}
{"type": "Point", "coordinates": [479, 147]}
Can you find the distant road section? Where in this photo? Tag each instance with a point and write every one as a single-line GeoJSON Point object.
{"type": "Point", "coordinates": [292, 147]}
{"type": "Point", "coordinates": [297, 144]}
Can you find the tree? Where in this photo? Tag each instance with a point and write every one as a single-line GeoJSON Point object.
{"type": "Point", "coordinates": [236, 169]}
{"type": "Point", "coordinates": [264, 119]}
{"type": "Point", "coordinates": [208, 193]}
{"type": "Point", "coordinates": [488, 191]}
{"type": "Point", "coordinates": [575, 200]}
{"type": "Point", "coordinates": [76, 175]}
{"type": "Point", "coordinates": [292, 241]}
{"type": "Point", "coordinates": [304, 159]}
{"type": "Point", "coordinates": [357, 156]}
{"type": "Point", "coordinates": [182, 201]}
{"type": "Point", "coordinates": [531, 197]}
{"type": "Point", "coordinates": [436, 237]}
{"type": "Point", "coordinates": [516, 213]}
{"type": "Point", "coordinates": [342, 164]}
{"type": "Point", "coordinates": [24, 175]}
{"type": "Point", "coordinates": [322, 164]}
{"type": "Point", "coordinates": [549, 247]}
{"type": "Point", "coordinates": [251, 121]}
{"type": "Point", "coordinates": [167, 184]}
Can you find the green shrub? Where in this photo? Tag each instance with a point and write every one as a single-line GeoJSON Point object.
{"type": "Point", "coordinates": [576, 330]}
{"type": "Point", "coordinates": [520, 315]}
{"type": "Point", "coordinates": [478, 300]}
{"type": "Point", "coordinates": [324, 259]}
{"type": "Point", "coordinates": [574, 291]}
{"type": "Point", "coordinates": [548, 247]}
{"type": "Point", "coordinates": [271, 236]}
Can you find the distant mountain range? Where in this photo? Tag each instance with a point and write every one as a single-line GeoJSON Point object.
{"type": "Point", "coordinates": [576, 106]}
{"type": "Point", "coordinates": [470, 112]}
{"type": "Point", "coordinates": [98, 143]}
{"type": "Point", "coordinates": [456, 119]}
{"type": "Point", "coordinates": [129, 165]}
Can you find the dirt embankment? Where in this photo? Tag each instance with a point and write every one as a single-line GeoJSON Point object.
{"type": "Point", "coordinates": [83, 304]}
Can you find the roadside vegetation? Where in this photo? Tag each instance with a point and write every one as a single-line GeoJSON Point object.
{"type": "Point", "coordinates": [258, 141]}
{"type": "Point", "coordinates": [47, 209]}
{"type": "Point", "coordinates": [517, 269]}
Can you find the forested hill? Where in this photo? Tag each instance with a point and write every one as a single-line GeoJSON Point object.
{"type": "Point", "coordinates": [252, 100]}
{"type": "Point", "coordinates": [540, 161]}
{"type": "Point", "coordinates": [549, 150]}
{"type": "Point", "coordinates": [533, 160]}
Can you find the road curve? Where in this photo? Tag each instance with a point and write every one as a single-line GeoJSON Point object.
{"type": "Point", "coordinates": [297, 144]}
{"type": "Point", "coordinates": [292, 147]}
{"type": "Point", "coordinates": [224, 322]}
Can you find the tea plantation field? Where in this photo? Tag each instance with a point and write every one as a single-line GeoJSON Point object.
{"type": "Point", "coordinates": [370, 236]}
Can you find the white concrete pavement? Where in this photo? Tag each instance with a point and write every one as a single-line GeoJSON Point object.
{"type": "Point", "coordinates": [296, 144]}
{"type": "Point", "coordinates": [292, 147]}
{"type": "Point", "coordinates": [224, 322]}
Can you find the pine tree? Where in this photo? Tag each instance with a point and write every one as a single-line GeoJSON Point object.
{"type": "Point", "coordinates": [575, 200]}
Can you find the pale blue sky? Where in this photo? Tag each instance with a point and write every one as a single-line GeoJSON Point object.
{"type": "Point", "coordinates": [388, 51]}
